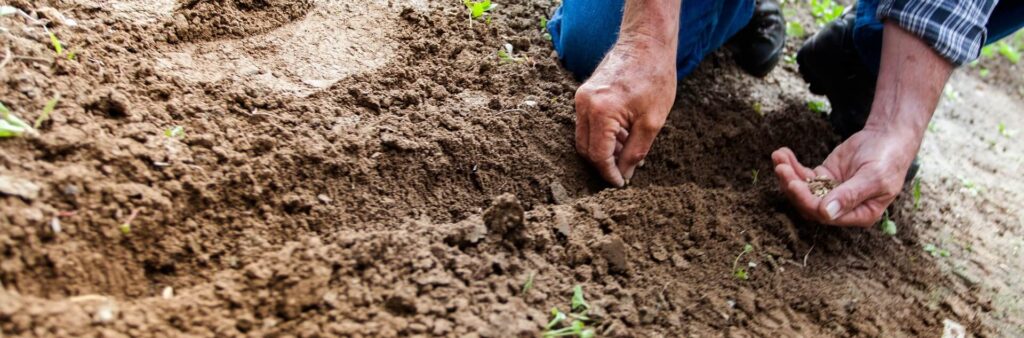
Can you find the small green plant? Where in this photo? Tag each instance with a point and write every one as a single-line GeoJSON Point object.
{"type": "Point", "coordinates": [753, 175]}
{"type": "Point", "coordinates": [544, 28]}
{"type": "Point", "coordinates": [477, 9]}
{"type": "Point", "coordinates": [12, 126]}
{"type": "Point", "coordinates": [825, 11]}
{"type": "Point", "coordinates": [175, 132]}
{"type": "Point", "coordinates": [888, 226]}
{"type": "Point", "coordinates": [932, 127]}
{"type": "Point", "coordinates": [1004, 131]}
{"type": "Point", "coordinates": [790, 59]}
{"type": "Point", "coordinates": [126, 227]}
{"type": "Point", "coordinates": [794, 29]}
{"type": "Point", "coordinates": [758, 108]}
{"type": "Point", "coordinates": [1009, 51]}
{"type": "Point", "coordinates": [578, 327]}
{"type": "Point", "coordinates": [917, 192]}
{"type": "Point", "coordinates": [984, 72]}
{"type": "Point", "coordinates": [740, 272]}
{"type": "Point", "coordinates": [529, 283]}
{"type": "Point", "coordinates": [817, 106]}
{"type": "Point", "coordinates": [970, 187]}
{"type": "Point", "coordinates": [988, 51]}
{"type": "Point", "coordinates": [47, 109]}
{"type": "Point", "coordinates": [936, 251]}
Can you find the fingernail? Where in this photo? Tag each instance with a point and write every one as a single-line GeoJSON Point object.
{"type": "Point", "coordinates": [833, 209]}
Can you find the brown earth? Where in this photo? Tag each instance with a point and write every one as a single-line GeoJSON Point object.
{"type": "Point", "coordinates": [374, 169]}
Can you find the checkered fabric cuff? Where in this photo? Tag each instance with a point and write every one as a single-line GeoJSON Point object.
{"type": "Point", "coordinates": [955, 29]}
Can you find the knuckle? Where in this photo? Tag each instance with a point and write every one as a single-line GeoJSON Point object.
{"type": "Point", "coordinates": [648, 126]}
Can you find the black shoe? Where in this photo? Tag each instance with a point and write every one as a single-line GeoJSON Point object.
{"type": "Point", "coordinates": [829, 62]}
{"type": "Point", "coordinates": [758, 47]}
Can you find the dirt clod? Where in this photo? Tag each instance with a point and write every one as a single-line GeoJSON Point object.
{"type": "Point", "coordinates": [505, 214]}
{"type": "Point", "coordinates": [614, 251]}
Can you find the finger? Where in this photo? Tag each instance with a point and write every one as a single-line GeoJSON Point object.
{"type": "Point", "coordinates": [785, 155]}
{"type": "Point", "coordinates": [850, 196]}
{"type": "Point", "coordinates": [601, 150]}
{"type": "Point", "coordinates": [863, 216]}
{"type": "Point", "coordinates": [622, 135]}
{"type": "Point", "coordinates": [582, 130]}
{"type": "Point", "coordinates": [641, 137]}
{"type": "Point", "coordinates": [618, 149]}
{"type": "Point", "coordinates": [800, 195]}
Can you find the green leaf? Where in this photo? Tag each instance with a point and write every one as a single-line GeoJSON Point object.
{"type": "Point", "coordinates": [887, 226]}
{"type": "Point", "coordinates": [819, 107]}
{"type": "Point", "coordinates": [578, 303]}
{"type": "Point", "coordinates": [984, 72]}
{"type": "Point", "coordinates": [50, 105]}
{"type": "Point", "coordinates": [556, 317]}
{"type": "Point", "coordinates": [917, 192]}
{"type": "Point", "coordinates": [794, 29]}
{"type": "Point", "coordinates": [753, 173]}
{"type": "Point", "coordinates": [126, 228]}
{"type": "Point", "coordinates": [988, 51]}
{"type": "Point", "coordinates": [59, 48]}
{"type": "Point", "coordinates": [740, 273]}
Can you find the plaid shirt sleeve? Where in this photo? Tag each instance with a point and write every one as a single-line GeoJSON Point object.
{"type": "Point", "coordinates": [954, 28]}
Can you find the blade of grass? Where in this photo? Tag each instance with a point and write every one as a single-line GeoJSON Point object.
{"type": "Point", "coordinates": [57, 46]}
{"type": "Point", "coordinates": [50, 105]}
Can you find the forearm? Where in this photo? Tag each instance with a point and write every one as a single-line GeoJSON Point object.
{"type": "Point", "coordinates": [910, 82]}
{"type": "Point", "coordinates": [652, 21]}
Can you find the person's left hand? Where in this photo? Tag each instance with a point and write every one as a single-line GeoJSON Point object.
{"type": "Point", "coordinates": [870, 168]}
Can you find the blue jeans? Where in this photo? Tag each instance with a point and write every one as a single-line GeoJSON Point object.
{"type": "Point", "coordinates": [1007, 17]}
{"type": "Point", "coordinates": [583, 31]}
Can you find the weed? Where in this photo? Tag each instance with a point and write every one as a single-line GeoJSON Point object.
{"type": "Point", "coordinates": [544, 28]}
{"type": "Point", "coordinates": [578, 303]}
{"type": "Point", "coordinates": [577, 329]}
{"type": "Point", "coordinates": [50, 105]}
{"type": "Point", "coordinates": [988, 51]}
{"type": "Point", "coordinates": [888, 226]}
{"type": "Point", "coordinates": [175, 132]}
{"type": "Point", "coordinates": [820, 107]}
{"type": "Point", "coordinates": [12, 126]}
{"type": "Point", "coordinates": [825, 11]}
{"type": "Point", "coordinates": [917, 192]}
{"type": "Point", "coordinates": [739, 271]}
{"type": "Point", "coordinates": [556, 317]}
{"type": "Point", "coordinates": [477, 9]}
{"type": "Point", "coordinates": [529, 283]}
{"type": "Point", "coordinates": [753, 174]}
{"type": "Point", "coordinates": [794, 29]}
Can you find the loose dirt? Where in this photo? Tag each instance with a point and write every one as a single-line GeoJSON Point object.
{"type": "Point", "coordinates": [374, 169]}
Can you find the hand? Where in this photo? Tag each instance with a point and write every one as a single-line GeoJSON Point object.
{"type": "Point", "coordinates": [870, 166]}
{"type": "Point", "coordinates": [621, 108]}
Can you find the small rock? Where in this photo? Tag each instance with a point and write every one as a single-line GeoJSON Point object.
{"type": "Point", "coordinates": [113, 103]}
{"type": "Point", "coordinates": [659, 253]}
{"type": "Point", "coordinates": [19, 187]}
{"type": "Point", "coordinates": [324, 198]}
{"type": "Point", "coordinates": [679, 262]}
{"type": "Point", "coordinates": [168, 292]}
{"type": "Point", "coordinates": [953, 329]}
{"type": "Point", "coordinates": [558, 193]}
{"type": "Point", "coordinates": [104, 314]}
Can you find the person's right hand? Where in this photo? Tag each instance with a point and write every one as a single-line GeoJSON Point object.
{"type": "Point", "coordinates": [621, 108]}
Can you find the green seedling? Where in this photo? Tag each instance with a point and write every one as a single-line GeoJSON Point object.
{"type": "Point", "coordinates": [1009, 51]}
{"type": "Point", "coordinates": [758, 108]}
{"type": "Point", "coordinates": [970, 187]}
{"type": "Point", "coordinates": [477, 9]}
{"type": "Point", "coordinates": [544, 28]}
{"type": "Point", "coordinates": [825, 11]}
{"type": "Point", "coordinates": [932, 127]}
{"type": "Point", "coordinates": [57, 46]}
{"type": "Point", "coordinates": [50, 105]}
{"type": "Point", "coordinates": [740, 272]}
{"type": "Point", "coordinates": [888, 226]}
{"type": "Point", "coordinates": [817, 106]}
{"type": "Point", "coordinates": [1008, 133]}
{"type": "Point", "coordinates": [936, 251]}
{"type": "Point", "coordinates": [917, 192]}
{"type": "Point", "coordinates": [126, 227]}
{"type": "Point", "coordinates": [753, 175]}
{"type": "Point", "coordinates": [579, 305]}
{"type": "Point", "coordinates": [505, 54]}
{"type": "Point", "coordinates": [794, 29]}
{"type": "Point", "coordinates": [529, 283]}
{"type": "Point", "coordinates": [556, 317]}
{"type": "Point", "coordinates": [577, 329]}
{"type": "Point", "coordinates": [175, 132]}
{"type": "Point", "coordinates": [984, 72]}
{"type": "Point", "coordinates": [12, 126]}
{"type": "Point", "coordinates": [950, 93]}
{"type": "Point", "coordinates": [790, 59]}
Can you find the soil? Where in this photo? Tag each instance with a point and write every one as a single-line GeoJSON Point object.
{"type": "Point", "coordinates": [374, 169]}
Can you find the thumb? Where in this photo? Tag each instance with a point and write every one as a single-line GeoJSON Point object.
{"type": "Point", "coordinates": [848, 196]}
{"type": "Point", "coordinates": [641, 137]}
